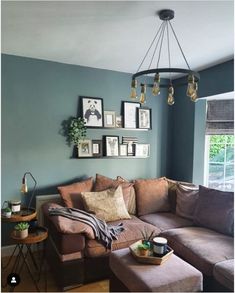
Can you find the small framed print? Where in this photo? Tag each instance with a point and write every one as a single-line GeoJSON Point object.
{"type": "Point", "coordinates": [92, 111]}
{"type": "Point", "coordinates": [123, 149]}
{"type": "Point", "coordinates": [85, 148]}
{"type": "Point", "coordinates": [142, 150]}
{"type": "Point", "coordinates": [130, 114]}
{"type": "Point", "coordinates": [144, 118]}
{"type": "Point", "coordinates": [111, 146]}
{"type": "Point", "coordinates": [109, 119]}
{"type": "Point", "coordinates": [119, 121]}
{"type": "Point", "coordinates": [97, 148]}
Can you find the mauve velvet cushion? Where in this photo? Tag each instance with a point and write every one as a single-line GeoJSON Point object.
{"type": "Point", "coordinates": [186, 200]}
{"type": "Point", "coordinates": [215, 210]}
{"type": "Point", "coordinates": [151, 196]}
{"type": "Point", "coordinates": [103, 183]}
{"type": "Point", "coordinates": [107, 205]}
{"type": "Point", "coordinates": [71, 194]}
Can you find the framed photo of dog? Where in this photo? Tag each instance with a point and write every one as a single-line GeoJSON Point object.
{"type": "Point", "coordinates": [92, 111]}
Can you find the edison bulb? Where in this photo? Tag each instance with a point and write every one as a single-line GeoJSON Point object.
{"type": "Point", "coordinates": [143, 94]}
{"type": "Point", "coordinates": [133, 94]}
{"type": "Point", "coordinates": [170, 98]}
{"type": "Point", "coordinates": [156, 85]}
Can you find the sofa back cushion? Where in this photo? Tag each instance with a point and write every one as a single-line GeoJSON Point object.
{"type": "Point", "coordinates": [215, 210]}
{"type": "Point", "coordinates": [104, 183]}
{"type": "Point", "coordinates": [186, 200]}
{"type": "Point", "coordinates": [71, 194]}
{"type": "Point", "coordinates": [151, 196]}
{"type": "Point", "coordinates": [107, 205]}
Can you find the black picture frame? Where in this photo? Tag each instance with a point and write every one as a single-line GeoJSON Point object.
{"type": "Point", "coordinates": [97, 148]}
{"type": "Point", "coordinates": [129, 110]}
{"type": "Point", "coordinates": [93, 111]}
{"type": "Point", "coordinates": [144, 118]}
{"type": "Point", "coordinates": [111, 144]}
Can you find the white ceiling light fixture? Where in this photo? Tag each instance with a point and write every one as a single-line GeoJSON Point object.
{"type": "Point", "coordinates": [191, 77]}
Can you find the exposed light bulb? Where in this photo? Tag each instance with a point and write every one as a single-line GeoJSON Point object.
{"type": "Point", "coordinates": [156, 85]}
{"type": "Point", "coordinates": [133, 89]}
{"type": "Point", "coordinates": [143, 94]}
{"type": "Point", "coordinates": [190, 89]}
{"type": "Point", "coordinates": [170, 99]}
{"type": "Point", "coordinates": [24, 187]}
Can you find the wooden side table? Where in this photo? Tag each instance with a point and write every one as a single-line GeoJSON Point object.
{"type": "Point", "coordinates": [36, 235]}
{"type": "Point", "coordinates": [25, 215]}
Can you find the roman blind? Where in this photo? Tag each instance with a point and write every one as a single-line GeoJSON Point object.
{"type": "Point", "coordinates": [220, 117]}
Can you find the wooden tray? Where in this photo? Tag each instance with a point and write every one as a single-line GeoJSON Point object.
{"type": "Point", "coordinates": [151, 259]}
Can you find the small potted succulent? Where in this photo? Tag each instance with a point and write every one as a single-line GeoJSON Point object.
{"type": "Point", "coordinates": [7, 212]}
{"type": "Point", "coordinates": [143, 249]}
{"type": "Point", "coordinates": [21, 230]}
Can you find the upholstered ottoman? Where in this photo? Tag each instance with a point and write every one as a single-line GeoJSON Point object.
{"type": "Point", "coordinates": [223, 272]}
{"type": "Point", "coordinates": [175, 275]}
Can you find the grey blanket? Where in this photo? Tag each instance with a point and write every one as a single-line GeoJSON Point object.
{"type": "Point", "coordinates": [104, 233]}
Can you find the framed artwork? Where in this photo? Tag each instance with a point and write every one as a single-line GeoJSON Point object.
{"type": "Point", "coordinates": [85, 148]}
{"type": "Point", "coordinates": [142, 150]}
{"type": "Point", "coordinates": [144, 118]}
{"type": "Point", "coordinates": [92, 111]}
{"type": "Point", "coordinates": [130, 141]}
{"type": "Point", "coordinates": [123, 149]}
{"type": "Point", "coordinates": [109, 119]}
{"type": "Point", "coordinates": [119, 121]}
{"type": "Point", "coordinates": [111, 145]}
{"type": "Point", "coordinates": [130, 114]}
{"type": "Point", "coordinates": [97, 148]}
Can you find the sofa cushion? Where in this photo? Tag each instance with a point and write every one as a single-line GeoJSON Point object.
{"type": "Point", "coordinates": [186, 200]}
{"type": "Point", "coordinates": [132, 197]}
{"type": "Point", "coordinates": [133, 232]}
{"type": "Point", "coordinates": [223, 272]}
{"type": "Point", "coordinates": [104, 183]}
{"type": "Point", "coordinates": [215, 210]}
{"type": "Point", "coordinates": [107, 205]}
{"type": "Point", "coordinates": [151, 196]}
{"type": "Point", "coordinates": [166, 221]}
{"type": "Point", "coordinates": [71, 194]}
{"type": "Point", "coordinates": [201, 247]}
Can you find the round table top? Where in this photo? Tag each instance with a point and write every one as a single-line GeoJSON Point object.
{"type": "Point", "coordinates": [24, 215]}
{"type": "Point", "coordinates": [36, 234]}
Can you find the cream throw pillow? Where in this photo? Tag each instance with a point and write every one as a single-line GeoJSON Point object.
{"type": "Point", "coordinates": [107, 205]}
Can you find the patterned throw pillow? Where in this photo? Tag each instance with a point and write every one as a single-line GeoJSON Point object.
{"type": "Point", "coordinates": [107, 205]}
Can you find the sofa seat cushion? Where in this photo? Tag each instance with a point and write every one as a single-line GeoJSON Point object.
{"type": "Point", "coordinates": [201, 247]}
{"type": "Point", "coordinates": [224, 273]}
{"type": "Point", "coordinates": [134, 231]}
{"type": "Point", "coordinates": [166, 221]}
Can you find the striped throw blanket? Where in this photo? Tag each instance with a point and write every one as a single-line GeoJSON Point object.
{"type": "Point", "coordinates": [104, 233]}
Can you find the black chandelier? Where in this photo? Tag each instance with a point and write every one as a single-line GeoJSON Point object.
{"type": "Point", "coordinates": [191, 77]}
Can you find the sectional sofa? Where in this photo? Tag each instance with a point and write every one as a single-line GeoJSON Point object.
{"type": "Point", "coordinates": [197, 221]}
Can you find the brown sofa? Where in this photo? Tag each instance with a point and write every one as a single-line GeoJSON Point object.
{"type": "Point", "coordinates": [171, 209]}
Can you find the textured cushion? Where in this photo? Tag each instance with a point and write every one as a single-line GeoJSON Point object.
{"type": "Point", "coordinates": [215, 210]}
{"type": "Point", "coordinates": [186, 200]}
{"type": "Point", "coordinates": [201, 247]}
{"type": "Point", "coordinates": [107, 205]}
{"type": "Point", "coordinates": [175, 275]}
{"type": "Point", "coordinates": [71, 194]}
{"type": "Point", "coordinates": [151, 196]}
{"type": "Point", "coordinates": [133, 231]}
{"type": "Point", "coordinates": [132, 196]}
{"type": "Point", "coordinates": [104, 183]}
{"type": "Point", "coordinates": [224, 273]}
{"type": "Point", "coordinates": [166, 221]}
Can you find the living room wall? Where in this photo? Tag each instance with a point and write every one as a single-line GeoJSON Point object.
{"type": "Point", "coordinates": [37, 96]}
{"type": "Point", "coordinates": [187, 138]}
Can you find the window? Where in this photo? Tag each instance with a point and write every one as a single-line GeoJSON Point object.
{"type": "Point", "coordinates": [220, 162]}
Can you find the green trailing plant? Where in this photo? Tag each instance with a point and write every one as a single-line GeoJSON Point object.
{"type": "Point", "coordinates": [7, 210]}
{"type": "Point", "coordinates": [77, 130]}
{"type": "Point", "coordinates": [21, 226]}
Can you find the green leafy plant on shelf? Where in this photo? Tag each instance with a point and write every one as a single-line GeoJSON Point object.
{"type": "Point", "coordinates": [7, 210]}
{"type": "Point", "coordinates": [77, 130]}
{"type": "Point", "coordinates": [21, 226]}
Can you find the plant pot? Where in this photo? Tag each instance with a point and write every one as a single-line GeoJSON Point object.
{"type": "Point", "coordinates": [144, 252]}
{"type": "Point", "coordinates": [21, 234]}
{"type": "Point", "coordinates": [7, 214]}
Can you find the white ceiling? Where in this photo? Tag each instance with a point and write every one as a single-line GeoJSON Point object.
{"type": "Point", "coordinates": [116, 34]}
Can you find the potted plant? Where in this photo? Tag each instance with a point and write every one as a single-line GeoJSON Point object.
{"type": "Point", "coordinates": [7, 212]}
{"type": "Point", "coordinates": [143, 249]}
{"type": "Point", "coordinates": [77, 130]}
{"type": "Point", "coordinates": [21, 230]}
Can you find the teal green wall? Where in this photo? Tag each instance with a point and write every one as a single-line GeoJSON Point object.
{"type": "Point", "coordinates": [37, 96]}
{"type": "Point", "coordinates": [188, 139]}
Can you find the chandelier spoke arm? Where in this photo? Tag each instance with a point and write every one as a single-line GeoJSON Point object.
{"type": "Point", "coordinates": [160, 50]}
{"type": "Point", "coordinates": [168, 48]}
{"type": "Point", "coordinates": [179, 46]}
{"type": "Point", "coordinates": [149, 48]}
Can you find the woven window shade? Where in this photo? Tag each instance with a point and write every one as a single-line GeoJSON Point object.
{"type": "Point", "coordinates": [220, 117]}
